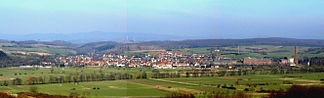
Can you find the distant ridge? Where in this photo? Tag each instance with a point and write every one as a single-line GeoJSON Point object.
{"type": "Point", "coordinates": [120, 46]}
{"type": "Point", "coordinates": [189, 42]}
{"type": "Point", "coordinates": [86, 37]}
{"type": "Point", "coordinates": [251, 41]}
{"type": "Point", "coordinates": [96, 36]}
{"type": "Point", "coordinates": [147, 45]}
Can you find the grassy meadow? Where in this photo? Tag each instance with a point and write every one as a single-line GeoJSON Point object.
{"type": "Point", "coordinates": [152, 87]}
{"type": "Point", "coordinates": [258, 51]}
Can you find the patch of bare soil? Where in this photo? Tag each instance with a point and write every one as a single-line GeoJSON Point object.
{"type": "Point", "coordinates": [310, 81]}
{"type": "Point", "coordinates": [162, 90]}
{"type": "Point", "coordinates": [176, 82]}
{"type": "Point", "coordinates": [257, 93]}
{"type": "Point", "coordinates": [4, 79]}
{"type": "Point", "coordinates": [151, 84]}
{"type": "Point", "coordinates": [6, 92]}
{"type": "Point", "coordinates": [302, 80]}
{"type": "Point", "coordinates": [165, 86]}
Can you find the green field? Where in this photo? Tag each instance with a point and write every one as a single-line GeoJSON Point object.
{"type": "Point", "coordinates": [41, 50]}
{"type": "Point", "coordinates": [106, 89]}
{"type": "Point", "coordinates": [38, 48]}
{"type": "Point", "coordinates": [249, 84]}
{"type": "Point", "coordinates": [258, 51]}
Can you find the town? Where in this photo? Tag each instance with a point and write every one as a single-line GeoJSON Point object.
{"type": "Point", "coordinates": [161, 49]}
{"type": "Point", "coordinates": [168, 60]}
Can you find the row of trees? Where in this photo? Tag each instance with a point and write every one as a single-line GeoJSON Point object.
{"type": "Point", "coordinates": [18, 60]}
{"type": "Point", "coordinates": [101, 76]}
{"type": "Point", "coordinates": [74, 78]}
{"type": "Point", "coordinates": [165, 75]}
{"type": "Point", "coordinates": [239, 71]}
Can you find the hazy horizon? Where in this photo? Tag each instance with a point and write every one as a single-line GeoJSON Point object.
{"type": "Point", "coordinates": [180, 19]}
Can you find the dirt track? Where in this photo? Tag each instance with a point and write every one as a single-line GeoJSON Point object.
{"type": "Point", "coordinates": [4, 79]}
{"type": "Point", "coordinates": [176, 82]}
{"type": "Point", "coordinates": [173, 88]}
{"type": "Point", "coordinates": [302, 80]}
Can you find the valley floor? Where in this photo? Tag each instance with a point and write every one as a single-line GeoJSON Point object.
{"type": "Point", "coordinates": [254, 85]}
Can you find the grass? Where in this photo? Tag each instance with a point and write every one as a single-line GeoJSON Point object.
{"type": "Point", "coordinates": [247, 51]}
{"type": "Point", "coordinates": [41, 50]}
{"type": "Point", "coordinates": [107, 88]}
{"type": "Point", "coordinates": [153, 87]}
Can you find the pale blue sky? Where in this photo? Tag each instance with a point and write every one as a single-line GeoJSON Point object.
{"type": "Point", "coordinates": [214, 18]}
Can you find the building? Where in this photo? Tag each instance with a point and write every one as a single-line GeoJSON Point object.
{"type": "Point", "coordinates": [257, 61]}
{"type": "Point", "coordinates": [284, 61]}
{"type": "Point", "coordinates": [292, 62]}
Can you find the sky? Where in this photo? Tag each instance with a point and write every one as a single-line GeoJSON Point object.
{"type": "Point", "coordinates": [212, 18]}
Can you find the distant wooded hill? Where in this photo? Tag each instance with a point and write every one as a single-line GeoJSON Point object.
{"type": "Point", "coordinates": [242, 42]}
{"type": "Point", "coordinates": [106, 46]}
{"type": "Point", "coordinates": [87, 37]}
{"type": "Point", "coordinates": [120, 47]}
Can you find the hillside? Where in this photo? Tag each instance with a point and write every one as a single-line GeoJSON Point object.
{"type": "Point", "coordinates": [64, 47]}
{"type": "Point", "coordinates": [87, 37]}
{"type": "Point", "coordinates": [241, 42]}
{"type": "Point", "coordinates": [38, 47]}
{"type": "Point", "coordinates": [148, 45]}
{"type": "Point", "coordinates": [2, 54]}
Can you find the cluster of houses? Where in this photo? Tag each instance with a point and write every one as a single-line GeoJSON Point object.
{"type": "Point", "coordinates": [163, 60]}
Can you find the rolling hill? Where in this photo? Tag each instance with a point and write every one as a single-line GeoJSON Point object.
{"type": "Point", "coordinates": [65, 47]}
{"type": "Point", "coordinates": [147, 45]}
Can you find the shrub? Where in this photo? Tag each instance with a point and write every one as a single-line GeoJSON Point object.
{"type": "Point", "coordinates": [299, 92]}
{"type": "Point", "coordinates": [33, 89]}
{"type": "Point", "coordinates": [6, 95]}
{"type": "Point", "coordinates": [180, 95]}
